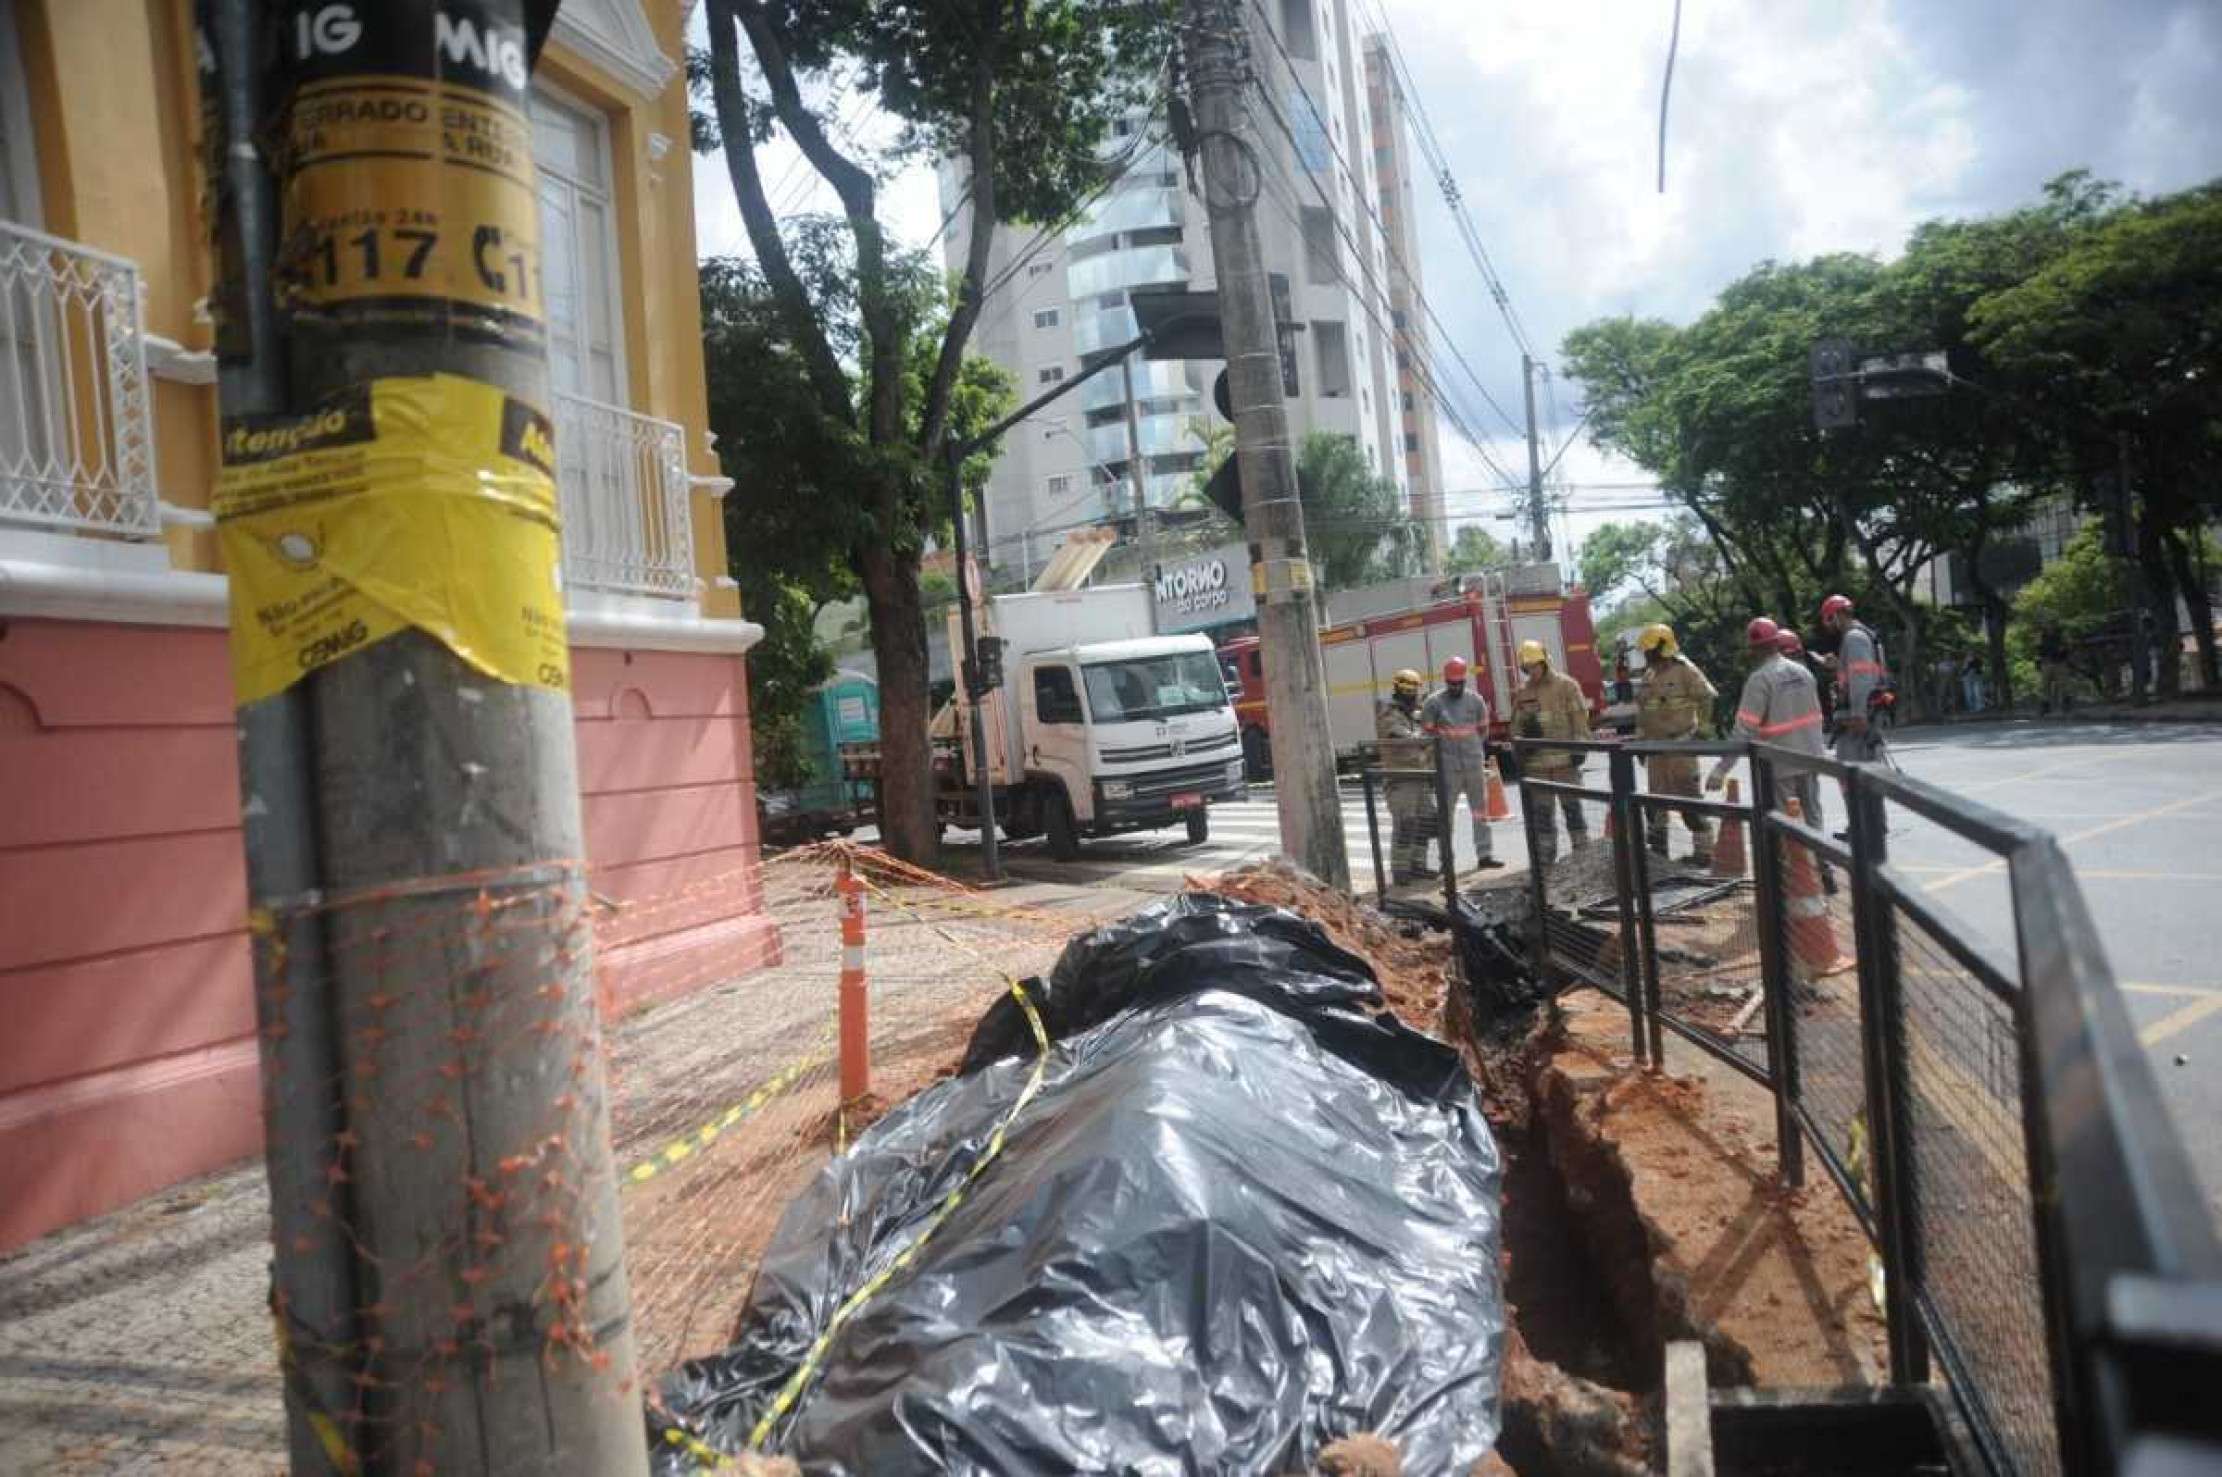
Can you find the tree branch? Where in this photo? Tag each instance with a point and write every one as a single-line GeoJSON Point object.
{"type": "Point", "coordinates": [730, 99]}
{"type": "Point", "coordinates": [853, 184]}
{"type": "Point", "coordinates": [981, 190]}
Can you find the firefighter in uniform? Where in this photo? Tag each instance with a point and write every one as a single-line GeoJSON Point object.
{"type": "Point", "coordinates": [1860, 674]}
{"type": "Point", "coordinates": [1781, 705]}
{"type": "Point", "coordinates": [1550, 705]}
{"type": "Point", "coordinates": [1402, 746]}
{"type": "Point", "coordinates": [1458, 720]}
{"type": "Point", "coordinates": [1673, 704]}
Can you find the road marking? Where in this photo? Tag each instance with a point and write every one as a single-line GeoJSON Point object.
{"type": "Point", "coordinates": [2133, 819]}
{"type": "Point", "coordinates": [2182, 1019]}
{"type": "Point", "coordinates": [2196, 992]}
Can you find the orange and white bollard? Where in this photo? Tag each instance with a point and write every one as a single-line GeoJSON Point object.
{"type": "Point", "coordinates": [1499, 810]}
{"type": "Point", "coordinates": [856, 1033]}
{"type": "Point", "coordinates": [1813, 950]}
{"type": "Point", "coordinates": [1728, 848]}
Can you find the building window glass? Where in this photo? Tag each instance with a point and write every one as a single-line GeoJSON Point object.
{"type": "Point", "coordinates": [1040, 269]}
{"type": "Point", "coordinates": [1054, 374]}
{"type": "Point", "coordinates": [1319, 247]}
{"type": "Point", "coordinates": [1296, 30]}
{"type": "Point", "coordinates": [1333, 343]}
{"type": "Point", "coordinates": [1045, 318]}
{"type": "Point", "coordinates": [578, 242]}
{"type": "Point", "coordinates": [1311, 140]}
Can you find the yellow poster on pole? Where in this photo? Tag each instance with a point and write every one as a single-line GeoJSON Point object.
{"type": "Point", "coordinates": [424, 501]}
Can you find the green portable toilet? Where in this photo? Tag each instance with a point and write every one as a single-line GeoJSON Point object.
{"type": "Point", "coordinates": [846, 710]}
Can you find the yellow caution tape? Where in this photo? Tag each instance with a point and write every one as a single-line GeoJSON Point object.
{"type": "Point", "coordinates": [681, 1149]}
{"type": "Point", "coordinates": [423, 501]}
{"type": "Point", "coordinates": [792, 1391]}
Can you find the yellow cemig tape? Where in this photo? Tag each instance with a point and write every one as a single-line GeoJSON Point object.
{"type": "Point", "coordinates": [424, 502]}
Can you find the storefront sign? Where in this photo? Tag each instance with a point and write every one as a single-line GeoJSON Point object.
{"type": "Point", "coordinates": [1204, 590]}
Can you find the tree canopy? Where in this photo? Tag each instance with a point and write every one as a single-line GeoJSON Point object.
{"type": "Point", "coordinates": [1354, 518]}
{"type": "Point", "coordinates": [2077, 328]}
{"type": "Point", "coordinates": [870, 375]}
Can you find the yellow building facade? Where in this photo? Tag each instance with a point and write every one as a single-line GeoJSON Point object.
{"type": "Point", "coordinates": [121, 881]}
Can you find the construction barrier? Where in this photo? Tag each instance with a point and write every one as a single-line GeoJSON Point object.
{"type": "Point", "coordinates": [2039, 1237]}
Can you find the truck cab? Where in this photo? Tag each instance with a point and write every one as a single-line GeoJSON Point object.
{"type": "Point", "coordinates": [1120, 736]}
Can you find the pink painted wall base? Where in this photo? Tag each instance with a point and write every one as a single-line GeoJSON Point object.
{"type": "Point", "coordinates": [129, 1059]}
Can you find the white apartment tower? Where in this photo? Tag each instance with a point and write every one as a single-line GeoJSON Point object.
{"type": "Point", "coordinates": [1063, 296]}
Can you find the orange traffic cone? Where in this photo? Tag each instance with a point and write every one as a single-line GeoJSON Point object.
{"type": "Point", "coordinates": [1498, 809]}
{"type": "Point", "coordinates": [1728, 851]}
{"type": "Point", "coordinates": [1813, 947]}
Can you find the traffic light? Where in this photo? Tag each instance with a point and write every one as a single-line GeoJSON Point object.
{"type": "Point", "coordinates": [1835, 384]}
{"type": "Point", "coordinates": [984, 674]}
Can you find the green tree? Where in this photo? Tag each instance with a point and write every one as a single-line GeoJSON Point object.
{"type": "Point", "coordinates": [1354, 521]}
{"type": "Point", "coordinates": [1025, 96]}
{"type": "Point", "coordinates": [1473, 550]}
{"type": "Point", "coordinates": [790, 531]}
{"type": "Point", "coordinates": [2116, 343]}
{"type": "Point", "coordinates": [1614, 557]}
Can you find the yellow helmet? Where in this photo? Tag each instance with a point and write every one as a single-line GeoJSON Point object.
{"type": "Point", "coordinates": [1660, 637]}
{"type": "Point", "coordinates": [1406, 681]}
{"type": "Point", "coordinates": [1532, 652]}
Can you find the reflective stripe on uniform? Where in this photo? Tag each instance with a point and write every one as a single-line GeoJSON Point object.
{"type": "Point", "coordinates": [1771, 730]}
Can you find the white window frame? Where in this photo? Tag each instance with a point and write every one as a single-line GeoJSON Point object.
{"type": "Point", "coordinates": [1040, 268]}
{"type": "Point", "coordinates": [1053, 374]}
{"type": "Point", "coordinates": [1057, 485]}
{"type": "Point", "coordinates": [1048, 317]}
{"type": "Point", "coordinates": [620, 370]}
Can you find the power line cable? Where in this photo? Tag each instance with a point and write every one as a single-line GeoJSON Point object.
{"type": "Point", "coordinates": [1358, 192]}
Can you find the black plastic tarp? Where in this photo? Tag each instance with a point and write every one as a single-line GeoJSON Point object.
{"type": "Point", "coordinates": [1241, 1217]}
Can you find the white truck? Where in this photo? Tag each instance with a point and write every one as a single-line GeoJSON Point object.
{"type": "Point", "coordinates": [1099, 726]}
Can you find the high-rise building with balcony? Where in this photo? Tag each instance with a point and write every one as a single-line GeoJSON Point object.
{"type": "Point", "coordinates": [1393, 166]}
{"type": "Point", "coordinates": [1061, 298]}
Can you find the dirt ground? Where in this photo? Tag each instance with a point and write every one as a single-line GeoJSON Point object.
{"type": "Point", "coordinates": [1672, 1176]}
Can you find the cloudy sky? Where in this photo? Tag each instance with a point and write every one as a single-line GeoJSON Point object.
{"type": "Point", "coordinates": [1797, 127]}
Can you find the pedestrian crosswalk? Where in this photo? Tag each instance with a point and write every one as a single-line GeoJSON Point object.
{"type": "Point", "coordinates": [1242, 831]}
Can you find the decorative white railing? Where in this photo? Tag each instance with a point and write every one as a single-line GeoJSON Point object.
{"type": "Point", "coordinates": [626, 501]}
{"type": "Point", "coordinates": [76, 419]}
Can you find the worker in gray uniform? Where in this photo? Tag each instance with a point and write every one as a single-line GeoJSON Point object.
{"type": "Point", "coordinates": [1457, 718]}
{"type": "Point", "coordinates": [1780, 705]}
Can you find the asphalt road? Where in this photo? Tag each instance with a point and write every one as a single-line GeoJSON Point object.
{"type": "Point", "coordinates": [2137, 806]}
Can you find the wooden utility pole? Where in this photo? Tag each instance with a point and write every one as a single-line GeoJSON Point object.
{"type": "Point", "coordinates": [386, 508]}
{"type": "Point", "coordinates": [1217, 42]}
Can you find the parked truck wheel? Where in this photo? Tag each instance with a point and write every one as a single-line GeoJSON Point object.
{"type": "Point", "coordinates": [1059, 827]}
{"type": "Point", "coordinates": [1199, 826]}
{"type": "Point", "coordinates": [1257, 754]}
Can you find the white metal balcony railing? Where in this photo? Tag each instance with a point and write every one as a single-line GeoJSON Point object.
{"type": "Point", "coordinates": [76, 423]}
{"type": "Point", "coordinates": [77, 430]}
{"type": "Point", "coordinates": [622, 481]}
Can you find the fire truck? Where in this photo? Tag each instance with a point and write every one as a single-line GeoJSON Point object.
{"type": "Point", "coordinates": [1482, 618]}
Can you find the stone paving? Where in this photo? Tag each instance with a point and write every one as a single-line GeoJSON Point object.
{"type": "Point", "coordinates": [141, 1340]}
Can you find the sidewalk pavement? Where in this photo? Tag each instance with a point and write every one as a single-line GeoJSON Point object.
{"type": "Point", "coordinates": [142, 1340]}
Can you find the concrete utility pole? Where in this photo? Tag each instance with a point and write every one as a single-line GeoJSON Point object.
{"type": "Point", "coordinates": [1145, 531]}
{"type": "Point", "coordinates": [1539, 513]}
{"type": "Point", "coordinates": [1217, 41]}
{"type": "Point", "coordinates": [451, 1276]}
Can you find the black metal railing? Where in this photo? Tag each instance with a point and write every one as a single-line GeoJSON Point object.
{"type": "Point", "coordinates": [1982, 1102]}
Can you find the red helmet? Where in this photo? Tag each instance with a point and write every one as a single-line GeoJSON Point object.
{"type": "Point", "coordinates": [1833, 604]}
{"type": "Point", "coordinates": [1454, 670]}
{"type": "Point", "coordinates": [1788, 644]}
{"type": "Point", "coordinates": [1761, 631]}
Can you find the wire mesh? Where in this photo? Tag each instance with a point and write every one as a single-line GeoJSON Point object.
{"type": "Point", "coordinates": [144, 1339]}
{"type": "Point", "coordinates": [1969, 1190]}
{"type": "Point", "coordinates": [1820, 957]}
{"type": "Point", "coordinates": [1704, 928]}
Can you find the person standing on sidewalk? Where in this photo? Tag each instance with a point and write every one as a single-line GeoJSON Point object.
{"type": "Point", "coordinates": [1550, 705]}
{"type": "Point", "coordinates": [1674, 703]}
{"type": "Point", "coordinates": [1457, 718]}
{"type": "Point", "coordinates": [1861, 678]}
{"type": "Point", "coordinates": [1401, 746]}
{"type": "Point", "coordinates": [2052, 661]}
{"type": "Point", "coordinates": [1780, 705]}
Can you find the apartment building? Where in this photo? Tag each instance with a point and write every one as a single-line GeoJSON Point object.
{"type": "Point", "coordinates": [1061, 298]}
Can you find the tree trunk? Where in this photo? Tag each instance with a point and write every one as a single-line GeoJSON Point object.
{"type": "Point", "coordinates": [907, 824]}
{"type": "Point", "coordinates": [2163, 642]}
{"type": "Point", "coordinates": [2178, 551]}
{"type": "Point", "coordinates": [1995, 612]}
